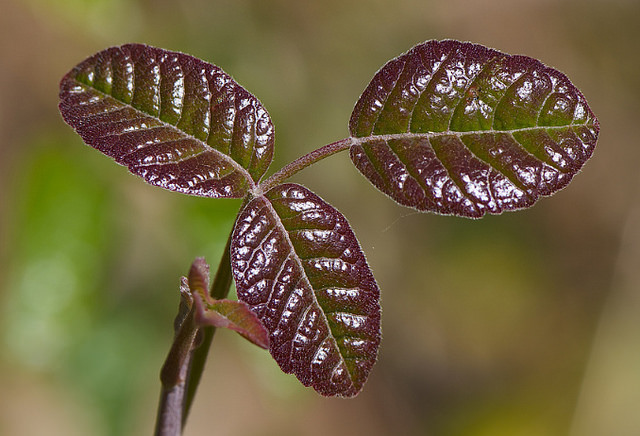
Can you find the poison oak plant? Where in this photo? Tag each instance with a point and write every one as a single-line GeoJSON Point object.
{"type": "Point", "coordinates": [448, 127]}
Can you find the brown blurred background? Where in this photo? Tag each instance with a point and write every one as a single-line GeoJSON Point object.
{"type": "Point", "coordinates": [522, 324]}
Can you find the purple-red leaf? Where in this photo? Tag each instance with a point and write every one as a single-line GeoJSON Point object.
{"type": "Point", "coordinates": [234, 315]}
{"type": "Point", "coordinates": [228, 314]}
{"type": "Point", "coordinates": [176, 121]}
{"type": "Point", "coordinates": [298, 265]}
{"type": "Point", "coordinates": [458, 128]}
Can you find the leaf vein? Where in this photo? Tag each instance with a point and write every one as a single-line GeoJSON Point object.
{"type": "Point", "coordinates": [393, 89]}
{"type": "Point", "coordinates": [275, 281]}
{"type": "Point", "coordinates": [264, 238]}
{"type": "Point", "coordinates": [539, 114]}
{"type": "Point", "coordinates": [433, 73]}
{"type": "Point", "coordinates": [382, 174]}
{"type": "Point", "coordinates": [318, 349]}
{"type": "Point", "coordinates": [464, 193]}
{"type": "Point", "coordinates": [506, 91]}
{"type": "Point", "coordinates": [514, 181]}
{"type": "Point", "coordinates": [551, 163]}
{"type": "Point", "coordinates": [411, 174]}
{"type": "Point", "coordinates": [467, 87]}
{"type": "Point", "coordinates": [301, 320]}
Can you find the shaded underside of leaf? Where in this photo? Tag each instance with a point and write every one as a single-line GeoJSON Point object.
{"type": "Point", "coordinates": [298, 265]}
{"type": "Point", "coordinates": [234, 315]}
{"type": "Point", "coordinates": [176, 121]}
{"type": "Point", "coordinates": [228, 314]}
{"type": "Point", "coordinates": [457, 128]}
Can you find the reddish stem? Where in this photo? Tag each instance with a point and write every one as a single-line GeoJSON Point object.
{"type": "Point", "coordinates": [303, 162]}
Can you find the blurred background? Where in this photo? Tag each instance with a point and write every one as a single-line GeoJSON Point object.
{"type": "Point", "coordinates": [522, 324]}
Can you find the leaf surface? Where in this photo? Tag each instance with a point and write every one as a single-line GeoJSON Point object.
{"type": "Point", "coordinates": [229, 314]}
{"type": "Point", "coordinates": [176, 121]}
{"type": "Point", "coordinates": [457, 128]}
{"type": "Point", "coordinates": [298, 265]}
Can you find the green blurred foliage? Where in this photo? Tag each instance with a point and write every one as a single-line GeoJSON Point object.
{"type": "Point", "coordinates": [58, 252]}
{"type": "Point", "coordinates": [70, 310]}
{"type": "Point", "coordinates": [488, 325]}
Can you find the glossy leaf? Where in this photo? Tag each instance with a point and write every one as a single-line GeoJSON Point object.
{"type": "Point", "coordinates": [229, 314]}
{"type": "Point", "coordinates": [457, 128]}
{"type": "Point", "coordinates": [298, 265]}
{"type": "Point", "coordinates": [176, 121]}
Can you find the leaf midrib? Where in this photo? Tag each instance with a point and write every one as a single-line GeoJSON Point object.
{"type": "Point", "coordinates": [412, 135]}
{"type": "Point", "coordinates": [458, 135]}
{"type": "Point", "coordinates": [298, 262]}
